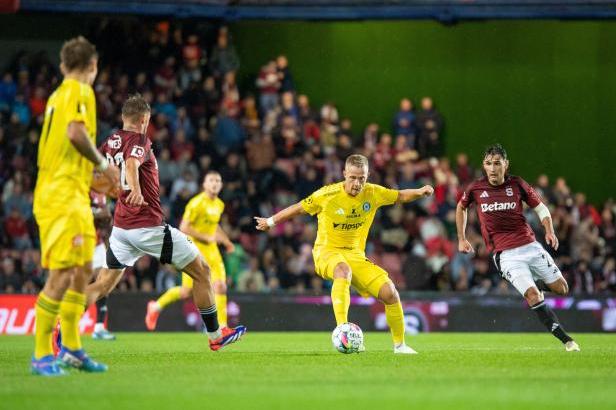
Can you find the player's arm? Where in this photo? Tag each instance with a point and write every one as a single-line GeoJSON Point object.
{"type": "Point", "coordinates": [464, 245]}
{"type": "Point", "coordinates": [78, 136]}
{"type": "Point", "coordinates": [545, 217]}
{"type": "Point", "coordinates": [134, 198]}
{"type": "Point", "coordinates": [264, 224]}
{"type": "Point", "coordinates": [188, 229]}
{"type": "Point", "coordinates": [223, 239]}
{"type": "Point", "coordinates": [409, 195]}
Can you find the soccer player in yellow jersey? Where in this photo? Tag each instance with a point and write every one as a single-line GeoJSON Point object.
{"type": "Point", "coordinates": [345, 212]}
{"type": "Point", "coordinates": [67, 156]}
{"type": "Point", "coordinates": [201, 221]}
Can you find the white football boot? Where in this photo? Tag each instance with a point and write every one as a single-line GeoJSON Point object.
{"type": "Point", "coordinates": [404, 349]}
{"type": "Point", "coordinates": [571, 346]}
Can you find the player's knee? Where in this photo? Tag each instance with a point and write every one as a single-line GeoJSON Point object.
{"type": "Point", "coordinates": [533, 296]}
{"type": "Point", "coordinates": [220, 287]}
{"type": "Point", "coordinates": [388, 294]}
{"type": "Point", "coordinates": [202, 272]}
{"type": "Point", "coordinates": [342, 270]}
{"type": "Point", "coordinates": [560, 287]}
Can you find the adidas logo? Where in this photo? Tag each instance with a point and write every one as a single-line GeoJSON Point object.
{"type": "Point", "coordinates": [340, 211]}
{"type": "Point", "coordinates": [484, 194]}
{"type": "Point", "coordinates": [554, 326]}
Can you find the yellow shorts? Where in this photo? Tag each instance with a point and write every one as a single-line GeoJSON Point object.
{"type": "Point", "coordinates": [212, 256]}
{"type": "Point", "coordinates": [367, 278]}
{"type": "Point", "coordinates": [67, 239]}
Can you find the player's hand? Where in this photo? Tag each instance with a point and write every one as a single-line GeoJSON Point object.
{"type": "Point", "coordinates": [229, 247]}
{"type": "Point", "coordinates": [262, 224]}
{"type": "Point", "coordinates": [135, 198]}
{"type": "Point", "coordinates": [551, 240]}
{"type": "Point", "coordinates": [113, 174]}
{"type": "Point", "coordinates": [465, 246]}
{"type": "Point", "coordinates": [426, 190]}
{"type": "Point", "coordinates": [205, 238]}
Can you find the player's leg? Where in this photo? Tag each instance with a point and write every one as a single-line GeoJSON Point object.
{"type": "Point", "coordinates": [100, 329]}
{"type": "Point", "coordinates": [170, 296]}
{"type": "Point", "coordinates": [203, 296]}
{"type": "Point", "coordinates": [106, 280]}
{"type": "Point", "coordinates": [47, 309]}
{"type": "Point", "coordinates": [341, 291]}
{"type": "Point", "coordinates": [545, 270]}
{"type": "Point", "coordinates": [184, 255]}
{"type": "Point", "coordinates": [394, 314]}
{"type": "Point", "coordinates": [219, 283]}
{"type": "Point", "coordinates": [517, 271]}
{"type": "Point", "coordinates": [332, 265]}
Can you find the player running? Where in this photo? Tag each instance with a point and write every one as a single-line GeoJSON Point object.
{"type": "Point", "coordinates": [201, 223]}
{"type": "Point", "coordinates": [517, 255]}
{"type": "Point", "coordinates": [139, 229]}
{"type": "Point", "coordinates": [66, 158]}
{"type": "Point", "coordinates": [102, 223]}
{"type": "Point", "coordinates": [345, 212]}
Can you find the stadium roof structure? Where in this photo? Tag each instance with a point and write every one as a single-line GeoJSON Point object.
{"type": "Point", "coordinates": [441, 10]}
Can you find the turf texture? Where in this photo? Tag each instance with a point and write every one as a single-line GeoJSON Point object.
{"type": "Point", "coordinates": [302, 371]}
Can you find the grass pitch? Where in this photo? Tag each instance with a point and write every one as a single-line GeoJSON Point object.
{"type": "Point", "coordinates": [302, 371]}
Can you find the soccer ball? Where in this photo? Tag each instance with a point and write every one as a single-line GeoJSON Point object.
{"type": "Point", "coordinates": [348, 338]}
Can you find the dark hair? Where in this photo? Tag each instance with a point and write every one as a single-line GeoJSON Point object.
{"type": "Point", "coordinates": [135, 106]}
{"type": "Point", "coordinates": [495, 149]}
{"type": "Point", "coordinates": [77, 53]}
{"type": "Point", "coordinates": [212, 172]}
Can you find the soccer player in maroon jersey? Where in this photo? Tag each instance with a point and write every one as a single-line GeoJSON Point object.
{"type": "Point", "coordinates": [518, 256]}
{"type": "Point", "coordinates": [139, 228]}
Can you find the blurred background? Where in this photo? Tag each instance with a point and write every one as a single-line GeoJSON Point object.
{"type": "Point", "coordinates": [276, 94]}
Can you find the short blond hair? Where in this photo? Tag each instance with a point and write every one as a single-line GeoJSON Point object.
{"type": "Point", "coordinates": [356, 160]}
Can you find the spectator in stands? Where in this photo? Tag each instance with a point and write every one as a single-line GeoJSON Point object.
{"type": "Point", "coordinates": [251, 279]}
{"type": "Point", "coordinates": [430, 127]}
{"type": "Point", "coordinates": [224, 57]}
{"type": "Point", "coordinates": [404, 121]}
{"type": "Point", "coordinates": [284, 74]}
{"type": "Point", "coordinates": [8, 90]}
{"type": "Point", "coordinates": [268, 83]}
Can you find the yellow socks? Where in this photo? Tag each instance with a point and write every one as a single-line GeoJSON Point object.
{"type": "Point", "coordinates": [395, 320]}
{"type": "Point", "coordinates": [221, 307]}
{"type": "Point", "coordinates": [71, 309]}
{"type": "Point", "coordinates": [341, 299]}
{"type": "Point", "coordinates": [46, 312]}
{"type": "Point", "coordinates": [170, 296]}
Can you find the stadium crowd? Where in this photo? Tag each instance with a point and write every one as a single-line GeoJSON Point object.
{"type": "Point", "coordinates": [273, 147]}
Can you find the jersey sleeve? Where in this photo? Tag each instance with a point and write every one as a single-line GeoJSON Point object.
{"type": "Point", "coordinates": [76, 105]}
{"type": "Point", "coordinates": [467, 197]}
{"type": "Point", "coordinates": [529, 195]}
{"type": "Point", "coordinates": [314, 203]}
{"type": "Point", "coordinates": [385, 196]}
{"type": "Point", "coordinates": [137, 148]}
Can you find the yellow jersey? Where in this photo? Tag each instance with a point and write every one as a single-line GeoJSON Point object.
{"type": "Point", "coordinates": [64, 175]}
{"type": "Point", "coordinates": [344, 220]}
{"type": "Point", "coordinates": [203, 213]}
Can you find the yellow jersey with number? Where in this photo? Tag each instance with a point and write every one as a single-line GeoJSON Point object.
{"type": "Point", "coordinates": [203, 213]}
{"type": "Point", "coordinates": [344, 220]}
{"type": "Point", "coordinates": [64, 175]}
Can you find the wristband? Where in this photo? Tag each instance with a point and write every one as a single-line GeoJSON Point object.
{"type": "Point", "coordinates": [103, 164]}
{"type": "Point", "coordinates": [270, 222]}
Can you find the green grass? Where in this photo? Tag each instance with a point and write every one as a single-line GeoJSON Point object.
{"type": "Point", "coordinates": [301, 371]}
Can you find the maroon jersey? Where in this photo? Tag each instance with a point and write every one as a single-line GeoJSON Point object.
{"type": "Point", "coordinates": [500, 210]}
{"type": "Point", "coordinates": [118, 148]}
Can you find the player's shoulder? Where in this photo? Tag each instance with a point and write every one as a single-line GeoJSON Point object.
{"type": "Point", "coordinates": [328, 190]}
{"type": "Point", "coordinates": [479, 183]}
{"type": "Point", "coordinates": [196, 200]}
{"type": "Point", "coordinates": [515, 179]}
{"type": "Point", "coordinates": [219, 203]}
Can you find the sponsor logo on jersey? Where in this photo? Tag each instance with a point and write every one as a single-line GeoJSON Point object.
{"type": "Point", "coordinates": [484, 194]}
{"type": "Point", "coordinates": [308, 200]}
{"type": "Point", "coordinates": [498, 206]}
{"type": "Point", "coordinates": [348, 226]}
{"type": "Point", "coordinates": [509, 191]}
{"type": "Point", "coordinates": [77, 240]}
{"type": "Point", "coordinates": [137, 151]}
{"type": "Point", "coordinates": [115, 141]}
